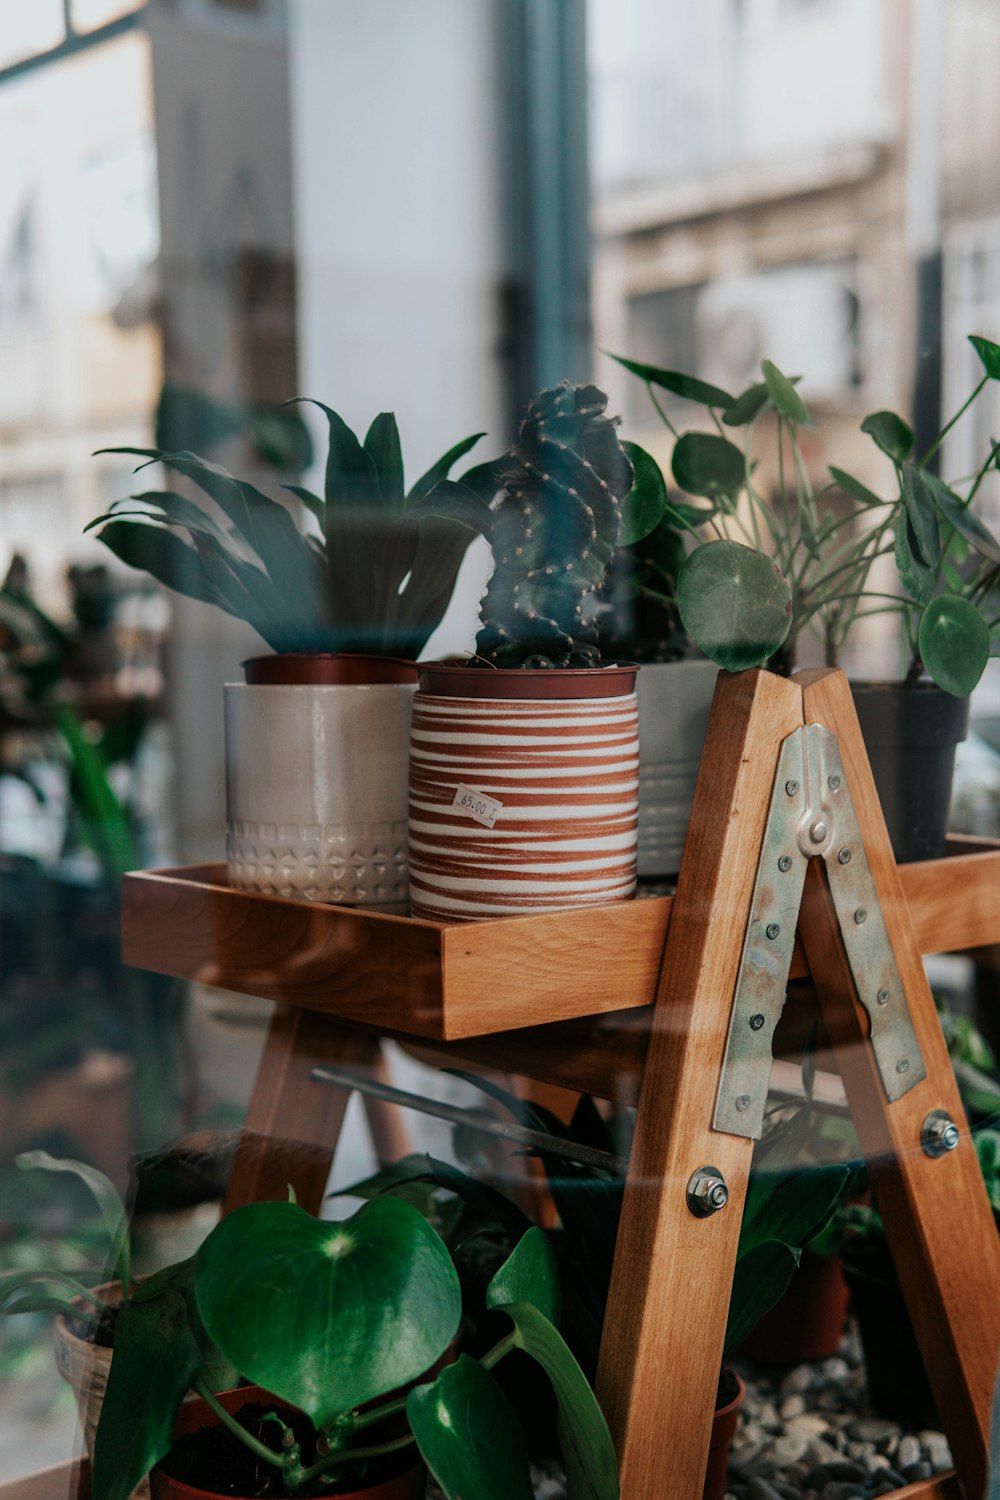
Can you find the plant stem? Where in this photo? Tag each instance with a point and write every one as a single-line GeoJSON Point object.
{"type": "Point", "coordinates": [663, 416]}
{"type": "Point", "coordinates": [982, 473]}
{"type": "Point", "coordinates": [495, 1355]}
{"type": "Point", "coordinates": [947, 428]}
{"type": "Point", "coordinates": [345, 1455]}
{"type": "Point", "coordinates": [254, 1444]}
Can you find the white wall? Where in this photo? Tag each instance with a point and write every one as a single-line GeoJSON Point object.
{"type": "Point", "coordinates": [399, 236]}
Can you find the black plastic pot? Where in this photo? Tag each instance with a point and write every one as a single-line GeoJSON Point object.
{"type": "Point", "coordinates": [911, 735]}
{"type": "Point", "coordinates": [897, 1381]}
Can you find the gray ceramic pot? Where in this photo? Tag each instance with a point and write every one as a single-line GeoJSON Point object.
{"type": "Point", "coordinates": [674, 703]}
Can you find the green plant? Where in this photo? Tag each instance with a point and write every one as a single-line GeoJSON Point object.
{"type": "Point", "coordinates": [553, 531]}
{"type": "Point", "coordinates": [333, 1318]}
{"type": "Point", "coordinates": [769, 571]}
{"type": "Point", "coordinates": [374, 576]}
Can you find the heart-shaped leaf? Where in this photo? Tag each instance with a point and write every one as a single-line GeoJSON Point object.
{"type": "Point", "coordinates": [677, 384]}
{"type": "Point", "coordinates": [705, 464]}
{"type": "Point", "coordinates": [783, 394]}
{"type": "Point", "coordinates": [890, 433]}
{"type": "Point", "coordinates": [735, 603]}
{"type": "Point", "coordinates": [529, 1274]}
{"type": "Point", "coordinates": [469, 1436]}
{"type": "Point", "coordinates": [646, 501]}
{"type": "Point", "coordinates": [989, 353]}
{"type": "Point", "coordinates": [328, 1315]}
{"type": "Point", "coordinates": [954, 643]}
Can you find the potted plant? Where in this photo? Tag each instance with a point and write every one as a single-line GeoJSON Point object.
{"type": "Point", "coordinates": [767, 572]}
{"type": "Point", "coordinates": [341, 1328]}
{"type": "Point", "coordinates": [316, 776]}
{"type": "Point", "coordinates": [787, 1207]}
{"type": "Point", "coordinates": [523, 761]}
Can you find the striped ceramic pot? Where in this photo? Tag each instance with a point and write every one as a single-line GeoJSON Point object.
{"type": "Point", "coordinates": [523, 790]}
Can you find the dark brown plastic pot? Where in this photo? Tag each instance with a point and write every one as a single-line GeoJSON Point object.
{"type": "Point", "coordinates": [409, 1485]}
{"type": "Point", "coordinates": [897, 1378]}
{"type": "Point", "coordinates": [526, 682]}
{"type": "Point", "coordinates": [807, 1322]}
{"type": "Point", "coordinates": [326, 669]}
{"type": "Point", "coordinates": [911, 735]}
{"type": "Point", "coordinates": [724, 1425]}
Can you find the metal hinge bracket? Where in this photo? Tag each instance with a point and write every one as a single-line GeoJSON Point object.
{"type": "Point", "coordinates": [811, 816]}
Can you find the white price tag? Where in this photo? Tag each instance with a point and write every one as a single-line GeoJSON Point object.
{"type": "Point", "coordinates": [477, 805]}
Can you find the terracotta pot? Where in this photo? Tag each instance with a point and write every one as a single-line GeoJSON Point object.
{"type": "Point", "coordinates": [911, 735]}
{"type": "Point", "coordinates": [523, 790]}
{"type": "Point", "coordinates": [316, 777]}
{"type": "Point", "coordinates": [85, 1366]}
{"type": "Point", "coordinates": [675, 698]}
{"type": "Point", "coordinates": [807, 1322]}
{"type": "Point", "coordinates": [724, 1425]}
{"type": "Point", "coordinates": [409, 1485]}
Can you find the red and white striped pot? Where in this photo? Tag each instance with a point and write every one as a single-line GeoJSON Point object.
{"type": "Point", "coordinates": [523, 790]}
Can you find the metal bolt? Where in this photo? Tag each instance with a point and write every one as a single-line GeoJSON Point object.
{"type": "Point", "coordinates": [903, 1066]}
{"type": "Point", "coordinates": [784, 863]}
{"type": "Point", "coordinates": [772, 929]}
{"type": "Point", "coordinates": [791, 787]}
{"type": "Point", "coordinates": [883, 997]}
{"type": "Point", "coordinates": [707, 1192]}
{"type": "Point", "coordinates": [844, 857]}
{"type": "Point", "coordinates": [833, 782]}
{"type": "Point", "coordinates": [817, 832]}
{"type": "Point", "coordinates": [860, 915]}
{"type": "Point", "coordinates": [939, 1133]}
{"type": "Point", "coordinates": [742, 1102]}
{"type": "Point", "coordinates": [756, 1022]}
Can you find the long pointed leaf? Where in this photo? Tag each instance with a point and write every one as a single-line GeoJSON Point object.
{"type": "Point", "coordinates": [105, 1195]}
{"type": "Point", "coordinates": [382, 446]}
{"type": "Point", "coordinates": [442, 467]}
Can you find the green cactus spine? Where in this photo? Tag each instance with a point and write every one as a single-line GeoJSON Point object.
{"type": "Point", "coordinates": [554, 533]}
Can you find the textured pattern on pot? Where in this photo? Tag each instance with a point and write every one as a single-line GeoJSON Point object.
{"type": "Point", "coordinates": [521, 805]}
{"type": "Point", "coordinates": [316, 790]}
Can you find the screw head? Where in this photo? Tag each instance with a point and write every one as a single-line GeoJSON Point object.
{"type": "Point", "coordinates": [707, 1192]}
{"type": "Point", "coordinates": [784, 863]}
{"type": "Point", "coordinates": [743, 1102]}
{"type": "Point", "coordinates": [903, 1066]}
{"type": "Point", "coordinates": [833, 782]}
{"type": "Point", "coordinates": [772, 930]}
{"type": "Point", "coordinates": [791, 787]}
{"type": "Point", "coordinates": [756, 1022]}
{"type": "Point", "coordinates": [817, 832]}
{"type": "Point", "coordinates": [882, 997]}
{"type": "Point", "coordinates": [844, 857]}
{"type": "Point", "coordinates": [860, 916]}
{"type": "Point", "coordinates": [939, 1133]}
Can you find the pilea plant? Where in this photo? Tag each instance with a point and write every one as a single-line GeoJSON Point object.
{"type": "Point", "coordinates": [374, 576]}
{"type": "Point", "coordinates": [553, 531]}
{"type": "Point", "coordinates": [770, 570]}
{"type": "Point", "coordinates": [333, 1318]}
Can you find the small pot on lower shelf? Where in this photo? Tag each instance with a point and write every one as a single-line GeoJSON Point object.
{"type": "Point", "coordinates": [724, 1424]}
{"type": "Point", "coordinates": [316, 777]}
{"type": "Point", "coordinates": [911, 735]}
{"type": "Point", "coordinates": [404, 1479]}
{"type": "Point", "coordinates": [807, 1322]}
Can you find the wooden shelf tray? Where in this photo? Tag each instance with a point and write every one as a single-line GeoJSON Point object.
{"type": "Point", "coordinates": [447, 981]}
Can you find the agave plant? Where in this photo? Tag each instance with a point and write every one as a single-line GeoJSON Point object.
{"type": "Point", "coordinates": [374, 576]}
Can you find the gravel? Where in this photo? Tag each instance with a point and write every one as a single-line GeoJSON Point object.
{"type": "Point", "coordinates": [809, 1433]}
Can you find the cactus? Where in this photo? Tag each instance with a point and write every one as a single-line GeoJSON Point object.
{"type": "Point", "coordinates": [554, 533]}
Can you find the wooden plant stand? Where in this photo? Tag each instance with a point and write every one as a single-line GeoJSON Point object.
{"type": "Point", "coordinates": [562, 998]}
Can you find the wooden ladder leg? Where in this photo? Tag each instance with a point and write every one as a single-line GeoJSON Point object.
{"type": "Point", "coordinates": [293, 1123]}
{"type": "Point", "coordinates": [937, 1215]}
{"type": "Point", "coordinates": [664, 1329]}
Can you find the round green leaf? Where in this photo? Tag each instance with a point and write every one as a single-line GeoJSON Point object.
{"type": "Point", "coordinates": [469, 1436]}
{"type": "Point", "coordinates": [529, 1274]}
{"type": "Point", "coordinates": [328, 1315]}
{"type": "Point", "coordinates": [989, 353]}
{"type": "Point", "coordinates": [735, 604]}
{"type": "Point", "coordinates": [954, 643]}
{"type": "Point", "coordinates": [704, 464]}
{"type": "Point", "coordinates": [643, 506]}
{"type": "Point", "coordinates": [783, 394]}
{"type": "Point", "coordinates": [890, 433]}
